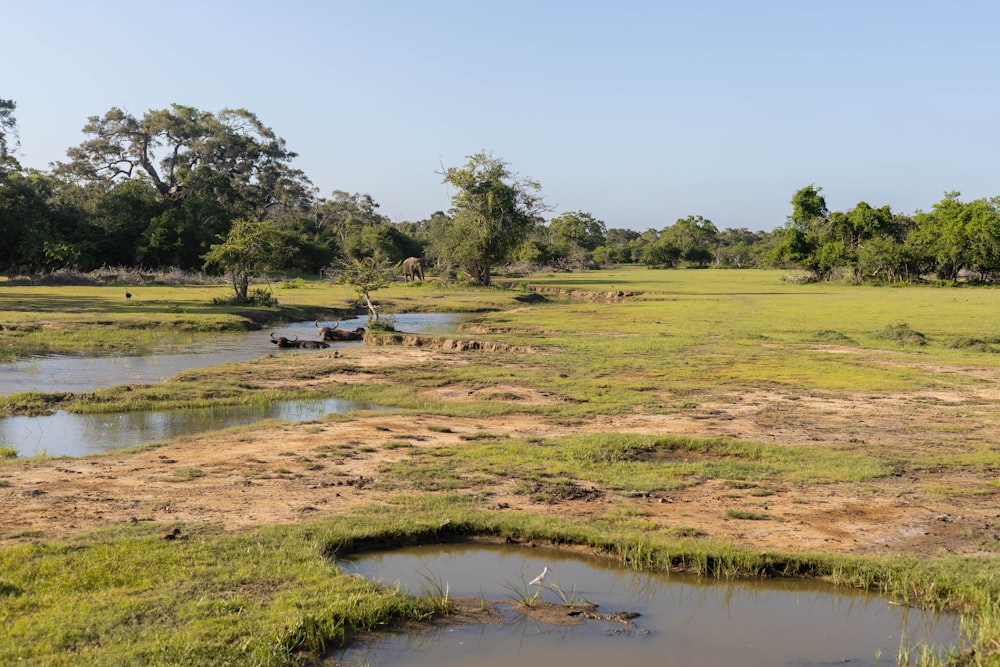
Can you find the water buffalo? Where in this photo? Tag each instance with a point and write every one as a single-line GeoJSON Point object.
{"type": "Point", "coordinates": [284, 343]}
{"type": "Point", "coordinates": [413, 268]}
{"type": "Point", "coordinates": [296, 344]}
{"type": "Point", "coordinates": [335, 334]}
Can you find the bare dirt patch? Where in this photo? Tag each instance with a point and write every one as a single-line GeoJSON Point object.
{"type": "Point", "coordinates": [281, 473]}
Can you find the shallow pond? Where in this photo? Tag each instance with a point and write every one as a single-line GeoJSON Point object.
{"type": "Point", "coordinates": [67, 434]}
{"type": "Point", "coordinates": [86, 373]}
{"type": "Point", "coordinates": [682, 620]}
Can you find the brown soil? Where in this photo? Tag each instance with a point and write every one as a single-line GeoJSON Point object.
{"type": "Point", "coordinates": [270, 474]}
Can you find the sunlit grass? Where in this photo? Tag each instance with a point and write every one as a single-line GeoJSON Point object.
{"type": "Point", "coordinates": [126, 596]}
{"type": "Point", "coordinates": [632, 463]}
{"type": "Point", "coordinates": [685, 342]}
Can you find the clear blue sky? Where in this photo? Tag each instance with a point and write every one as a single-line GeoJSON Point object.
{"type": "Point", "coordinates": [638, 112]}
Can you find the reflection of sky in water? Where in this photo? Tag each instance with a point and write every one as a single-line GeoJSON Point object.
{"type": "Point", "coordinates": [66, 434]}
{"type": "Point", "coordinates": [684, 620]}
{"type": "Point", "coordinates": [75, 374]}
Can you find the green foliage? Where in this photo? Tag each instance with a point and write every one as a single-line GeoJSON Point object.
{"type": "Point", "coordinates": [365, 276]}
{"type": "Point", "coordinates": [128, 597]}
{"type": "Point", "coordinates": [184, 475]}
{"type": "Point", "coordinates": [808, 205]}
{"type": "Point", "coordinates": [746, 515]}
{"type": "Point", "coordinates": [493, 213]}
{"type": "Point", "coordinates": [250, 247]}
{"type": "Point", "coordinates": [9, 141]}
{"type": "Point", "coordinates": [903, 334]}
{"type": "Point", "coordinates": [695, 239]}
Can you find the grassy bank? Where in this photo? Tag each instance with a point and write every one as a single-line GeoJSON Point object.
{"type": "Point", "coordinates": [269, 597]}
{"type": "Point", "coordinates": [698, 345]}
{"type": "Point", "coordinates": [93, 319]}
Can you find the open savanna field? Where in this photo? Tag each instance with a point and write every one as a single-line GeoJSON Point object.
{"type": "Point", "coordinates": [724, 422]}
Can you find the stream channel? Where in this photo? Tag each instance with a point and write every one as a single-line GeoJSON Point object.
{"type": "Point", "coordinates": [682, 620]}
{"type": "Point", "coordinates": [68, 434]}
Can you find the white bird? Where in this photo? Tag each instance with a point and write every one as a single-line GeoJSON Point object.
{"type": "Point", "coordinates": [540, 578]}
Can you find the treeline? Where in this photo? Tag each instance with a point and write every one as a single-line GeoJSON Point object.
{"type": "Point", "coordinates": [160, 190]}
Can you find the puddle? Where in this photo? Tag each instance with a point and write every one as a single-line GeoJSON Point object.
{"type": "Point", "coordinates": [68, 434]}
{"type": "Point", "coordinates": [78, 373]}
{"type": "Point", "coordinates": [683, 621]}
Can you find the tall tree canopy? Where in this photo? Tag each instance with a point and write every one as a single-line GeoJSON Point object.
{"type": "Point", "coordinates": [168, 146]}
{"type": "Point", "coordinates": [206, 169]}
{"type": "Point", "coordinates": [493, 211]}
{"type": "Point", "coordinates": [9, 140]}
{"type": "Point", "coordinates": [808, 205]}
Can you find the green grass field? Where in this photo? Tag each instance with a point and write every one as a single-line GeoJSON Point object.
{"type": "Point", "coordinates": [681, 340]}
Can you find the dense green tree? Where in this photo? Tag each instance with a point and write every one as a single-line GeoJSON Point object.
{"type": "Point", "coordinates": [578, 229]}
{"type": "Point", "coordinates": [357, 229]}
{"type": "Point", "coordinates": [695, 239]}
{"type": "Point", "coordinates": [739, 248]}
{"type": "Point", "coordinates": [983, 232]}
{"type": "Point", "coordinates": [42, 228]}
{"type": "Point", "coordinates": [941, 234]}
{"type": "Point", "coordinates": [205, 170]}
{"type": "Point", "coordinates": [250, 248]}
{"type": "Point", "coordinates": [9, 140]}
{"type": "Point", "coordinates": [492, 213]}
{"type": "Point", "coordinates": [807, 205]}
{"type": "Point", "coordinates": [24, 207]}
{"type": "Point", "coordinates": [660, 253]}
{"type": "Point", "coordinates": [884, 259]}
{"type": "Point", "coordinates": [569, 240]}
{"type": "Point", "coordinates": [617, 247]}
{"type": "Point", "coordinates": [166, 146]}
{"type": "Point", "coordinates": [118, 220]}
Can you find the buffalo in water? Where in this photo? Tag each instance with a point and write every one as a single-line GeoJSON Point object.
{"type": "Point", "coordinates": [335, 334]}
{"type": "Point", "coordinates": [296, 344]}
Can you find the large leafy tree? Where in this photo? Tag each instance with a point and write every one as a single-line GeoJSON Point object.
{"type": "Point", "coordinates": [493, 211]}
{"type": "Point", "coordinates": [579, 229]}
{"type": "Point", "coordinates": [167, 146]}
{"type": "Point", "coordinates": [695, 237]}
{"type": "Point", "coordinates": [573, 237]}
{"type": "Point", "coordinates": [9, 140]}
{"type": "Point", "coordinates": [961, 235]}
{"type": "Point", "coordinates": [345, 215]}
{"type": "Point", "coordinates": [251, 247]}
{"type": "Point", "coordinates": [740, 247]}
{"type": "Point", "coordinates": [205, 168]}
{"type": "Point", "coordinates": [808, 205]}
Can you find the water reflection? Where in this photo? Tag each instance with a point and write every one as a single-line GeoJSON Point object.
{"type": "Point", "coordinates": [67, 434]}
{"type": "Point", "coordinates": [75, 373]}
{"type": "Point", "coordinates": [683, 621]}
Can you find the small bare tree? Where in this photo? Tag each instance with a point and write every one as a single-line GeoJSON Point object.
{"type": "Point", "coordinates": [366, 275]}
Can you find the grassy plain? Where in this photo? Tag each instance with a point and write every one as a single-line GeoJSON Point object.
{"type": "Point", "coordinates": [724, 422]}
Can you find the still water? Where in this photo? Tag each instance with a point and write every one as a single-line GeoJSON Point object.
{"type": "Point", "coordinates": [66, 434]}
{"type": "Point", "coordinates": [78, 373]}
{"type": "Point", "coordinates": [684, 621]}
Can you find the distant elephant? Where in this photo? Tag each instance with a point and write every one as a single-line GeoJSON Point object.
{"type": "Point", "coordinates": [412, 269]}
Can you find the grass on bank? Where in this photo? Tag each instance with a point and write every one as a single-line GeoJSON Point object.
{"type": "Point", "coordinates": [631, 463]}
{"type": "Point", "coordinates": [45, 319]}
{"type": "Point", "coordinates": [127, 596]}
{"type": "Point", "coordinates": [690, 338]}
